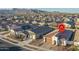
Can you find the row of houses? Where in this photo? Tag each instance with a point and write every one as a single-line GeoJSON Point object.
{"type": "Point", "coordinates": [65, 38]}
{"type": "Point", "coordinates": [30, 31]}
{"type": "Point", "coordinates": [49, 35]}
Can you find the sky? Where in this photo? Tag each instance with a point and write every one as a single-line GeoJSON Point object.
{"type": "Point", "coordinates": [68, 10]}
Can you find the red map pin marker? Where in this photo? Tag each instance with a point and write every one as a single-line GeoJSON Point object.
{"type": "Point", "coordinates": [61, 27]}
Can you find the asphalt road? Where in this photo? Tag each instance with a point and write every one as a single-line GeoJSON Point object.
{"type": "Point", "coordinates": [5, 46]}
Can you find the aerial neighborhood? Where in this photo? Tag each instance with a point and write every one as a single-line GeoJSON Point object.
{"type": "Point", "coordinates": [38, 30]}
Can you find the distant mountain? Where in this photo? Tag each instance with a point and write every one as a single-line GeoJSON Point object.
{"type": "Point", "coordinates": [20, 11]}
{"type": "Point", "coordinates": [37, 11]}
{"type": "Point", "coordinates": [5, 11]}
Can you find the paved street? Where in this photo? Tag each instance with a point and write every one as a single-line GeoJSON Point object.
{"type": "Point", "coordinates": [5, 46]}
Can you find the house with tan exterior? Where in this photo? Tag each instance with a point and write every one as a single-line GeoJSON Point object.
{"type": "Point", "coordinates": [49, 38]}
{"type": "Point", "coordinates": [59, 38]}
{"type": "Point", "coordinates": [77, 23]}
{"type": "Point", "coordinates": [76, 38]}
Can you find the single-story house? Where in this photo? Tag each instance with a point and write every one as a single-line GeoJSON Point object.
{"type": "Point", "coordinates": [48, 37]}
{"type": "Point", "coordinates": [18, 32]}
{"type": "Point", "coordinates": [71, 24]}
{"type": "Point", "coordinates": [67, 25]}
{"type": "Point", "coordinates": [59, 38]}
{"type": "Point", "coordinates": [27, 26]}
{"type": "Point", "coordinates": [39, 32]}
{"type": "Point", "coordinates": [18, 29]}
{"type": "Point", "coordinates": [64, 38]}
{"type": "Point", "coordinates": [76, 38]}
{"type": "Point", "coordinates": [77, 23]}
